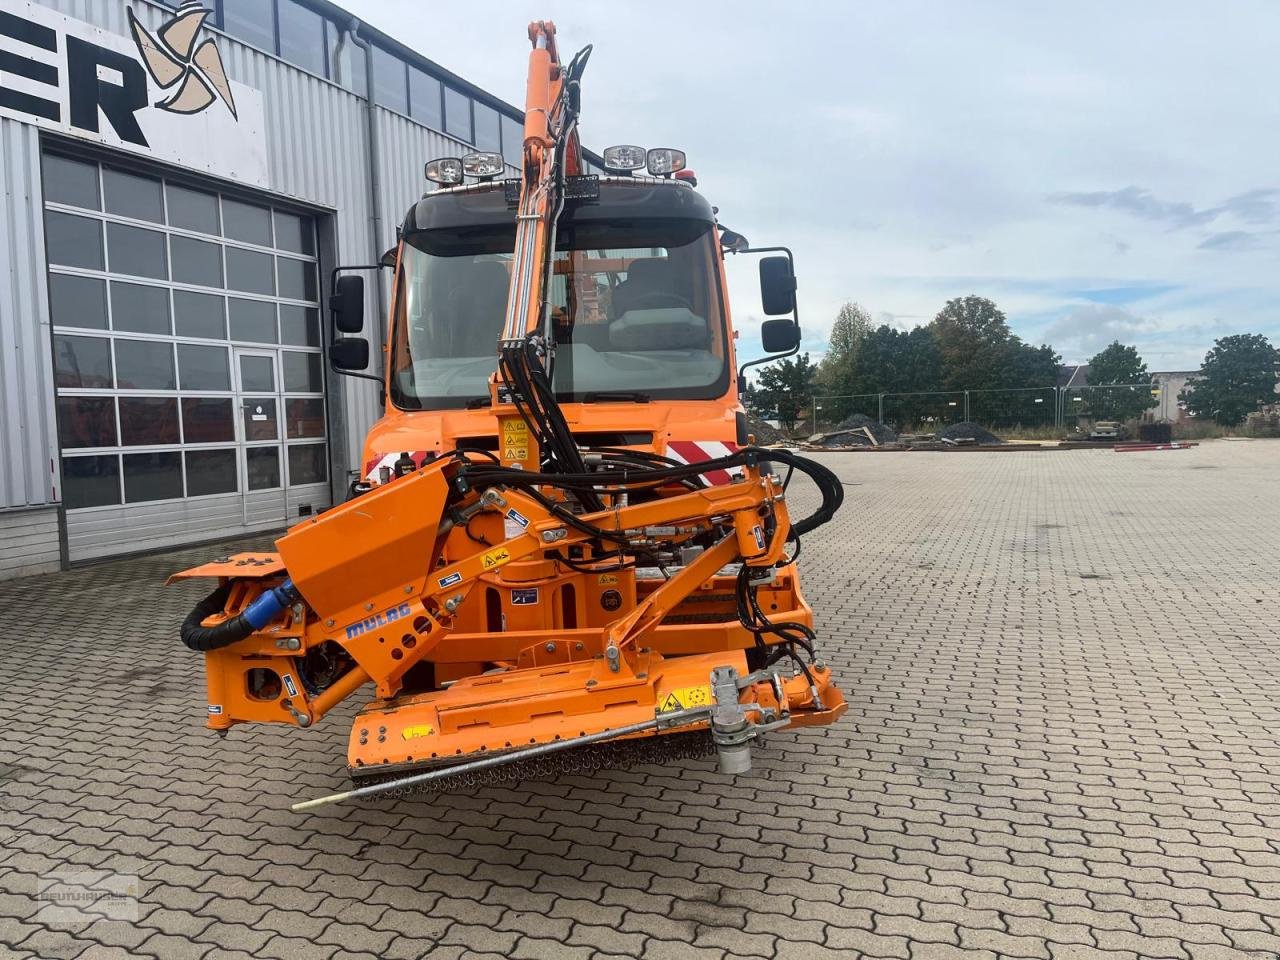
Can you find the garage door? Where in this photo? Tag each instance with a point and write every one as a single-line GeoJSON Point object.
{"type": "Point", "coordinates": [187, 358]}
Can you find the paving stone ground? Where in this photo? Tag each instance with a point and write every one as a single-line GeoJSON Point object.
{"type": "Point", "coordinates": [1064, 743]}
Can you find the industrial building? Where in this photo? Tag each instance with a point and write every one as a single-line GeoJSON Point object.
{"type": "Point", "coordinates": [179, 181]}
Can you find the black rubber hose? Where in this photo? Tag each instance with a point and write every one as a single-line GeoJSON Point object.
{"type": "Point", "coordinates": [203, 639]}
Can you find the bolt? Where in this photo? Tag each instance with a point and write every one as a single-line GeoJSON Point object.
{"type": "Point", "coordinates": [591, 683]}
{"type": "Point", "coordinates": [368, 606]}
{"type": "Point", "coordinates": [577, 646]}
{"type": "Point", "coordinates": [551, 647]}
{"type": "Point", "coordinates": [408, 588]}
{"type": "Point", "coordinates": [329, 622]}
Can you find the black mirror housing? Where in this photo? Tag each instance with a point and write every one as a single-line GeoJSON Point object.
{"type": "Point", "coordinates": [777, 286]}
{"type": "Point", "coordinates": [349, 353]}
{"type": "Point", "coordinates": [780, 335]}
{"type": "Point", "coordinates": [347, 304]}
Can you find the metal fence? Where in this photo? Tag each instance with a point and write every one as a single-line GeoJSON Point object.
{"type": "Point", "coordinates": [1008, 409]}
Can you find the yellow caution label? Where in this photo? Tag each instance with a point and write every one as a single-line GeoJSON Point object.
{"type": "Point", "coordinates": [421, 730]}
{"type": "Point", "coordinates": [515, 439]}
{"type": "Point", "coordinates": [685, 698]}
{"type": "Point", "coordinates": [607, 580]}
{"type": "Point", "coordinates": [496, 558]}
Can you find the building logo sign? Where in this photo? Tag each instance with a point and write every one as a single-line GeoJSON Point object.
{"type": "Point", "coordinates": [161, 92]}
{"type": "Point", "coordinates": [174, 60]}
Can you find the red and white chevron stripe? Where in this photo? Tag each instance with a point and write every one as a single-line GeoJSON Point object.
{"type": "Point", "coordinates": [698, 451]}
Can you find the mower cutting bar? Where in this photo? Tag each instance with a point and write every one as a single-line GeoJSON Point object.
{"type": "Point", "coordinates": [667, 721]}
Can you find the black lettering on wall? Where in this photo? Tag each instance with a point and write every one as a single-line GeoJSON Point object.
{"type": "Point", "coordinates": [34, 35]}
{"type": "Point", "coordinates": [88, 93]}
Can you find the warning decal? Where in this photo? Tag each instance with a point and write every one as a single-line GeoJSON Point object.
{"type": "Point", "coordinates": [685, 698]}
{"type": "Point", "coordinates": [515, 439]}
{"type": "Point", "coordinates": [421, 730]}
{"type": "Point", "coordinates": [496, 558]}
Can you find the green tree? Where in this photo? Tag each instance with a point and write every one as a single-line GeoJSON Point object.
{"type": "Point", "coordinates": [1117, 364]}
{"type": "Point", "coordinates": [835, 376]}
{"type": "Point", "coordinates": [1237, 376]}
{"type": "Point", "coordinates": [786, 386]}
{"type": "Point", "coordinates": [973, 339]}
{"type": "Point", "coordinates": [898, 362]}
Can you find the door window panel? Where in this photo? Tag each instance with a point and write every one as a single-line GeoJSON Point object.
{"type": "Point", "coordinates": [210, 472]}
{"type": "Point", "coordinates": [152, 476]}
{"type": "Point", "coordinates": [299, 326]}
{"type": "Point", "coordinates": [71, 182]}
{"type": "Point", "coordinates": [195, 261]}
{"type": "Point", "coordinates": [244, 221]}
{"type": "Point", "coordinates": [257, 374]}
{"type": "Point", "coordinates": [203, 368]}
{"type": "Point", "coordinates": [77, 301]}
{"type": "Point", "coordinates": [260, 418]}
{"type": "Point", "coordinates": [304, 417]}
{"type": "Point", "coordinates": [307, 464]}
{"type": "Point", "coordinates": [129, 195]}
{"type": "Point", "coordinates": [140, 309]}
{"type": "Point", "coordinates": [252, 320]}
{"type": "Point", "coordinates": [86, 422]}
{"type": "Point", "coordinates": [192, 210]}
{"type": "Point", "coordinates": [199, 315]}
{"type": "Point", "coordinates": [81, 362]}
{"type": "Point", "coordinates": [295, 234]}
{"type": "Point", "coordinates": [137, 252]}
{"type": "Point", "coordinates": [207, 420]}
{"type": "Point", "coordinates": [250, 272]}
{"type": "Point", "coordinates": [148, 421]}
{"type": "Point", "coordinates": [90, 481]}
{"type": "Point", "coordinates": [302, 372]}
{"type": "Point", "coordinates": [262, 465]}
{"type": "Point", "coordinates": [297, 278]}
{"type": "Point", "coordinates": [145, 365]}
{"type": "Point", "coordinates": [73, 241]}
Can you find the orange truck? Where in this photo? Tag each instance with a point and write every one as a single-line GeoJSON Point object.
{"type": "Point", "coordinates": [563, 551]}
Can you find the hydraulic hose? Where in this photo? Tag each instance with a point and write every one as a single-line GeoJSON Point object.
{"type": "Point", "coordinates": [257, 615]}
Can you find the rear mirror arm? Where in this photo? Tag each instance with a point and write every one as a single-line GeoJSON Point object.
{"type": "Point", "coordinates": [333, 283]}
{"type": "Point", "coordinates": [795, 313]}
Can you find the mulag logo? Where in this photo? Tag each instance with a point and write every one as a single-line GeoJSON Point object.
{"type": "Point", "coordinates": [380, 620]}
{"type": "Point", "coordinates": [160, 91]}
{"type": "Point", "coordinates": [173, 57]}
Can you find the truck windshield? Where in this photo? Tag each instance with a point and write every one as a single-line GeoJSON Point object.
{"type": "Point", "coordinates": [636, 308]}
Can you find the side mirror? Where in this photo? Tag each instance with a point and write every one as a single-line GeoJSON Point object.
{"type": "Point", "coordinates": [349, 353]}
{"type": "Point", "coordinates": [778, 336]}
{"type": "Point", "coordinates": [347, 305]}
{"type": "Point", "coordinates": [777, 286]}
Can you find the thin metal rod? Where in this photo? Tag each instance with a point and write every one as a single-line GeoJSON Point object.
{"type": "Point", "coordinates": [663, 721]}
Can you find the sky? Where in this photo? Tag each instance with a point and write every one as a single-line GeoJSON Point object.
{"type": "Point", "coordinates": [1101, 171]}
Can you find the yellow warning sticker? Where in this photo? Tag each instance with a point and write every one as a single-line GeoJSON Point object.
{"type": "Point", "coordinates": [607, 579]}
{"type": "Point", "coordinates": [421, 730]}
{"type": "Point", "coordinates": [496, 558]}
{"type": "Point", "coordinates": [684, 698]}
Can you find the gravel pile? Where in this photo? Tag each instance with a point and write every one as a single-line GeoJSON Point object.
{"type": "Point", "coordinates": [878, 430]}
{"type": "Point", "coordinates": [968, 431]}
{"type": "Point", "coordinates": [765, 434]}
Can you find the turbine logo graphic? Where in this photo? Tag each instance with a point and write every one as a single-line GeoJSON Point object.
{"type": "Point", "coordinates": [174, 59]}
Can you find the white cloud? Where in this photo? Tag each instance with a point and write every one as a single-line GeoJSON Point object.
{"type": "Point", "coordinates": [905, 150]}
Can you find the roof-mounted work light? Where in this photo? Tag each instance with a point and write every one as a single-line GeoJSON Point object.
{"type": "Point", "coordinates": [446, 171]}
{"type": "Point", "coordinates": [663, 161]}
{"type": "Point", "coordinates": [624, 158]}
{"type": "Point", "coordinates": [483, 166]}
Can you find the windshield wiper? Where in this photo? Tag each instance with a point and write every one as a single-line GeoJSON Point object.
{"type": "Point", "coordinates": [604, 396]}
{"type": "Point", "coordinates": [475, 403]}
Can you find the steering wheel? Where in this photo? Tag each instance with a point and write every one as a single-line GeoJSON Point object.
{"type": "Point", "coordinates": [657, 299]}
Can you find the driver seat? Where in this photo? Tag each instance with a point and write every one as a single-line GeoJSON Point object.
{"type": "Point", "coordinates": [646, 278]}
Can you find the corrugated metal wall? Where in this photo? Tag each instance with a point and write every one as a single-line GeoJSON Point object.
{"type": "Point", "coordinates": [28, 441]}
{"type": "Point", "coordinates": [318, 154]}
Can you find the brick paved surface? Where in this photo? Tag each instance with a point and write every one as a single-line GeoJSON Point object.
{"type": "Point", "coordinates": [1064, 743]}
